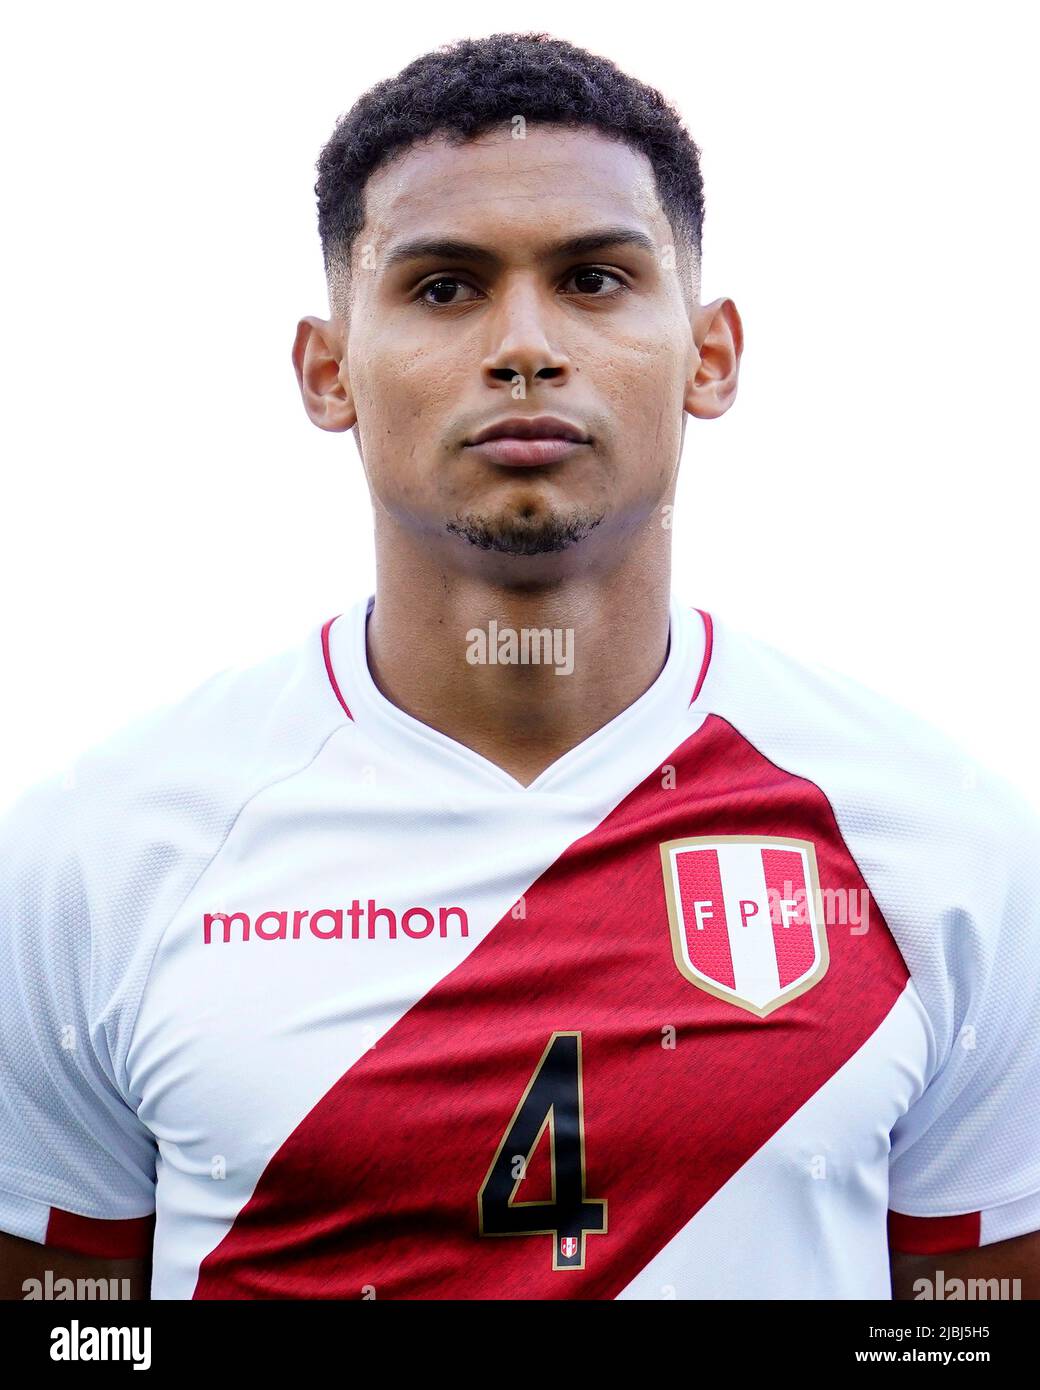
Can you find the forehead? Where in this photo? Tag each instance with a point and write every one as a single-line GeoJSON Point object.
{"type": "Point", "coordinates": [496, 189]}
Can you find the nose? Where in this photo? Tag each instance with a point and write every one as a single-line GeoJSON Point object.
{"type": "Point", "coordinates": [520, 332]}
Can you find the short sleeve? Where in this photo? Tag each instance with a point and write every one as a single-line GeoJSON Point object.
{"type": "Point", "coordinates": [77, 1166]}
{"type": "Point", "coordinates": [964, 1167]}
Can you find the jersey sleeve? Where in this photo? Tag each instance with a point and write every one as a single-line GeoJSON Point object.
{"type": "Point", "coordinates": [964, 1167]}
{"type": "Point", "coordinates": [77, 1167]}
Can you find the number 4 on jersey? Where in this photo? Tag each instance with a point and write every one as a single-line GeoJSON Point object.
{"type": "Point", "coordinates": [553, 1099]}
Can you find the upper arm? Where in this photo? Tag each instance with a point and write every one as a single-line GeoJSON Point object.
{"type": "Point", "coordinates": [964, 1173]}
{"type": "Point", "coordinates": [28, 1269]}
{"type": "Point", "coordinates": [77, 1166]}
{"type": "Point", "coordinates": [1004, 1261]}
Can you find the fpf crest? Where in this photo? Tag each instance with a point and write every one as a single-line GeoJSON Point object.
{"type": "Point", "coordinates": [746, 917]}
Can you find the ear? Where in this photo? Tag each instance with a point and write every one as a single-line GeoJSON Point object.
{"type": "Point", "coordinates": [718, 337]}
{"type": "Point", "coordinates": [319, 354]}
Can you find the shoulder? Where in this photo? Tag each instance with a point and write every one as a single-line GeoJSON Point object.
{"type": "Point", "coordinates": [787, 694]}
{"type": "Point", "coordinates": [876, 755]}
{"type": "Point", "coordinates": [948, 848]}
{"type": "Point", "coordinates": [96, 860]}
{"type": "Point", "coordinates": [239, 726]}
{"type": "Point", "coordinates": [226, 736]}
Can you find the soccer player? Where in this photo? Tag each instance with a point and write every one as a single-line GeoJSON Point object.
{"type": "Point", "coordinates": [523, 932]}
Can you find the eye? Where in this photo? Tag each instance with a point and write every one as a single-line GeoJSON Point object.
{"type": "Point", "coordinates": [443, 291]}
{"type": "Point", "coordinates": [595, 281]}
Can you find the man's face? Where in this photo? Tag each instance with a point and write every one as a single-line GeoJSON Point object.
{"type": "Point", "coordinates": [442, 343]}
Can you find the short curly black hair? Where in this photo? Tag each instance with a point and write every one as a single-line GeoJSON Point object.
{"type": "Point", "coordinates": [465, 88]}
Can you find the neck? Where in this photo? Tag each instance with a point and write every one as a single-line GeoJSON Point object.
{"type": "Point", "coordinates": [448, 648]}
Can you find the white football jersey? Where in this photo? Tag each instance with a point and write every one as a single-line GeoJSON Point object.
{"type": "Point", "coordinates": [317, 1002]}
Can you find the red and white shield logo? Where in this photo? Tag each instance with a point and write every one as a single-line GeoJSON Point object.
{"type": "Point", "coordinates": [569, 1247]}
{"type": "Point", "coordinates": [746, 917]}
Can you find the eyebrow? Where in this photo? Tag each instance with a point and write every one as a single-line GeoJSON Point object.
{"type": "Point", "coordinates": [447, 249]}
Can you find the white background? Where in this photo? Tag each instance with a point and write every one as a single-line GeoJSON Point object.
{"type": "Point", "coordinates": [869, 502]}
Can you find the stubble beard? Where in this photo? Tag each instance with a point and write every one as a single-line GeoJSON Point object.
{"type": "Point", "coordinates": [525, 533]}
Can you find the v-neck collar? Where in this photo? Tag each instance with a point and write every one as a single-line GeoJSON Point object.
{"type": "Point", "coordinates": [668, 698]}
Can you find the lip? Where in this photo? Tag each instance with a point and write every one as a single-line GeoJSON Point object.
{"type": "Point", "coordinates": [527, 441]}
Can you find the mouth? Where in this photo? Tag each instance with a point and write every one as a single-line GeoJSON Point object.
{"type": "Point", "coordinates": [527, 441]}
